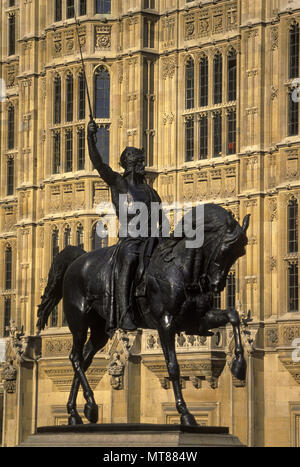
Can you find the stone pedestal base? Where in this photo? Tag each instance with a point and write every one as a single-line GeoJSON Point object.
{"type": "Point", "coordinates": [132, 435]}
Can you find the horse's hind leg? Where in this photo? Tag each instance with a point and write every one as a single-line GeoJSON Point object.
{"type": "Point", "coordinates": [96, 342]}
{"type": "Point", "coordinates": [76, 357]}
{"type": "Point", "coordinates": [167, 337]}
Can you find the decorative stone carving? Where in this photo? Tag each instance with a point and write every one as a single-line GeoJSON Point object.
{"type": "Point", "coordinates": [273, 209]}
{"type": "Point", "coordinates": [116, 370]}
{"type": "Point", "coordinates": [189, 29]}
{"type": "Point", "coordinates": [274, 38]}
{"type": "Point", "coordinates": [289, 333]}
{"type": "Point", "coordinates": [62, 376]}
{"type": "Point", "coordinates": [292, 163]}
{"type": "Point", "coordinates": [168, 65]}
{"type": "Point", "coordinates": [103, 37]}
{"type": "Point", "coordinates": [168, 32]}
{"type": "Point", "coordinates": [272, 337]}
{"type": "Point", "coordinates": [9, 377]}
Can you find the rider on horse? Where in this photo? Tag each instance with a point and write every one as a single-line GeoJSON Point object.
{"type": "Point", "coordinates": [133, 185]}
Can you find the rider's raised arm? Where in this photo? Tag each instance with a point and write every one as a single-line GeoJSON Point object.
{"type": "Point", "coordinates": [106, 173]}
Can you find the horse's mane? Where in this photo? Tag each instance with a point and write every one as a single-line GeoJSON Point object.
{"type": "Point", "coordinates": [216, 220]}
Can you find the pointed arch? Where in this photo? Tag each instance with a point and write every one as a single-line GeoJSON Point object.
{"type": "Point", "coordinates": [102, 92]}
{"type": "Point", "coordinates": [232, 75]}
{"type": "Point", "coordinates": [292, 225]}
{"type": "Point", "coordinates": [97, 240]}
{"type": "Point", "coordinates": [8, 267]}
{"type": "Point", "coordinates": [203, 81]}
{"type": "Point", "coordinates": [57, 99]}
{"type": "Point", "coordinates": [69, 96]}
{"type": "Point", "coordinates": [80, 236]}
{"type": "Point", "coordinates": [294, 50]}
{"type": "Point", "coordinates": [67, 236]}
{"type": "Point", "coordinates": [190, 83]}
{"type": "Point", "coordinates": [218, 78]}
{"type": "Point", "coordinates": [54, 242]}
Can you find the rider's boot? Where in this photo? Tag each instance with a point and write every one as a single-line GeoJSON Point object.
{"type": "Point", "coordinates": [126, 323]}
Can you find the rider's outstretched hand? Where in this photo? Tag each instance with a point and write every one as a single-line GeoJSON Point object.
{"type": "Point", "coordinates": [92, 129]}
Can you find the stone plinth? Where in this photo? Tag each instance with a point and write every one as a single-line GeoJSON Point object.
{"type": "Point", "coordinates": [131, 435]}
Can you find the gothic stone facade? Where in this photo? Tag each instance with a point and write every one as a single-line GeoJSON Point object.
{"type": "Point", "coordinates": [205, 87]}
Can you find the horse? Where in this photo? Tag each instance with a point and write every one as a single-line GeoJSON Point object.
{"type": "Point", "coordinates": [179, 285]}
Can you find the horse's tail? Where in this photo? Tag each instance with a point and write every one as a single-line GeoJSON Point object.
{"type": "Point", "coordinates": [53, 291]}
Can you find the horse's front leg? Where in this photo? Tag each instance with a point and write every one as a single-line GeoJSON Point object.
{"type": "Point", "coordinates": [239, 365]}
{"type": "Point", "coordinates": [216, 318]}
{"type": "Point", "coordinates": [167, 337]}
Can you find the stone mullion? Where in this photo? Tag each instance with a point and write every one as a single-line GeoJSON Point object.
{"type": "Point", "coordinates": [211, 79]}
{"type": "Point", "coordinates": [224, 131]}
{"type": "Point", "coordinates": [282, 253]}
{"type": "Point", "coordinates": [210, 134]}
{"type": "Point", "coordinates": [90, 81]}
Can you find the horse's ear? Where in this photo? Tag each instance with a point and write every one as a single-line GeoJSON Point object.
{"type": "Point", "coordinates": [246, 222]}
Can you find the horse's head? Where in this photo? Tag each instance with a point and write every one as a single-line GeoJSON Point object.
{"type": "Point", "coordinates": [224, 243]}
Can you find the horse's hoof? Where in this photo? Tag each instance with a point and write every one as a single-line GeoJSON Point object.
{"type": "Point", "coordinates": [91, 412]}
{"type": "Point", "coordinates": [188, 420]}
{"type": "Point", "coordinates": [75, 420]}
{"type": "Point", "coordinates": [238, 368]}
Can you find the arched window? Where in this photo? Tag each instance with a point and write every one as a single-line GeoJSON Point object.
{"type": "Point", "coordinates": [189, 139]}
{"type": "Point", "coordinates": [231, 132]}
{"type": "Point", "coordinates": [230, 291]}
{"type": "Point", "coordinates": [102, 93]}
{"type": "Point", "coordinates": [103, 142]}
{"type": "Point", "coordinates": [81, 97]}
{"type": "Point", "coordinates": [293, 115]}
{"type": "Point", "coordinates": [203, 84]}
{"type": "Point", "coordinates": [103, 7]}
{"type": "Point", "coordinates": [203, 137]}
{"type": "Point", "coordinates": [81, 149]}
{"type": "Point", "coordinates": [58, 10]}
{"type": "Point", "coordinates": [292, 226]}
{"type": "Point", "coordinates": [218, 81]}
{"type": "Point", "coordinates": [67, 236]}
{"type": "Point", "coordinates": [69, 151]}
{"type": "Point", "coordinates": [82, 7]}
{"type": "Point", "coordinates": [70, 9]}
{"type": "Point", "coordinates": [57, 100]}
{"type": "Point", "coordinates": [69, 98]}
{"type": "Point", "coordinates": [189, 84]}
{"type": "Point", "coordinates": [232, 75]}
{"type": "Point", "coordinates": [55, 243]}
{"type": "Point", "coordinates": [11, 127]}
{"type": "Point", "coordinates": [99, 241]}
{"type": "Point", "coordinates": [217, 130]}
{"type": "Point", "coordinates": [294, 51]}
{"type": "Point", "coordinates": [7, 316]}
{"type": "Point", "coordinates": [8, 268]}
{"type": "Point", "coordinates": [56, 153]}
{"type": "Point", "coordinates": [10, 176]}
{"type": "Point", "coordinates": [80, 236]}
{"type": "Point", "coordinates": [11, 35]}
{"type": "Point", "coordinates": [293, 288]}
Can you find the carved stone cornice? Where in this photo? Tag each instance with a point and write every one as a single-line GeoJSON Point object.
{"type": "Point", "coordinates": [61, 374]}
{"type": "Point", "coordinates": [196, 368]}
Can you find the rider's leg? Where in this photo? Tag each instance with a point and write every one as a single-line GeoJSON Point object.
{"type": "Point", "coordinates": [129, 260]}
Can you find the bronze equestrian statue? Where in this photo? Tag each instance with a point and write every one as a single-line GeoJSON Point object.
{"type": "Point", "coordinates": [178, 284]}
